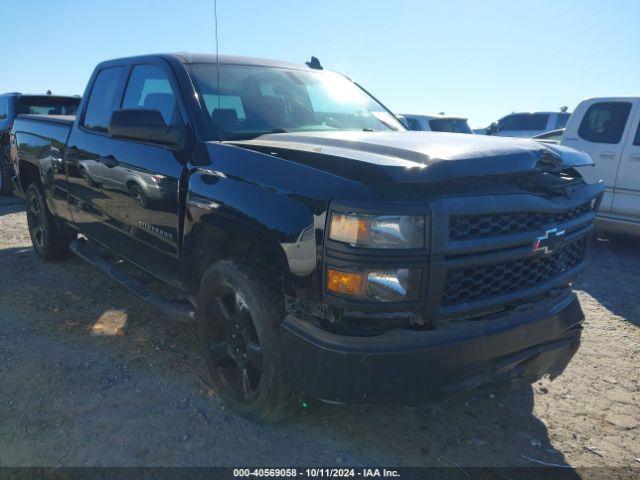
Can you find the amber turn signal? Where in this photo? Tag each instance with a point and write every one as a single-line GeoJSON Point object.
{"type": "Point", "coordinates": [352, 284]}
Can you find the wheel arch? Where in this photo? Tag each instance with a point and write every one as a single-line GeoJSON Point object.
{"type": "Point", "coordinates": [29, 172]}
{"type": "Point", "coordinates": [228, 218]}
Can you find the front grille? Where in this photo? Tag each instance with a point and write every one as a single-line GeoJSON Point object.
{"type": "Point", "coordinates": [468, 284]}
{"type": "Point", "coordinates": [469, 227]}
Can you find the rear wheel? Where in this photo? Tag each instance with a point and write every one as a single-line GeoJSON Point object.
{"type": "Point", "coordinates": [237, 318]}
{"type": "Point", "coordinates": [47, 240]}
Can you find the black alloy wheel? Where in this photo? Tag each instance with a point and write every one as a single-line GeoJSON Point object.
{"type": "Point", "coordinates": [36, 220]}
{"type": "Point", "coordinates": [234, 347]}
{"type": "Point", "coordinates": [48, 240]}
{"type": "Point", "coordinates": [238, 313]}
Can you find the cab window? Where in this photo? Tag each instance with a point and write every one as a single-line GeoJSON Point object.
{"type": "Point", "coordinates": [524, 122]}
{"type": "Point", "coordinates": [604, 122]}
{"type": "Point", "coordinates": [47, 105]}
{"type": "Point", "coordinates": [149, 88]}
{"type": "Point", "coordinates": [102, 100]}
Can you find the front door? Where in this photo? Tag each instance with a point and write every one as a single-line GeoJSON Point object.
{"type": "Point", "coordinates": [139, 188]}
{"type": "Point", "coordinates": [124, 193]}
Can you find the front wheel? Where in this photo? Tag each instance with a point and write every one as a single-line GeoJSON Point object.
{"type": "Point", "coordinates": [47, 240]}
{"type": "Point", "coordinates": [237, 318]}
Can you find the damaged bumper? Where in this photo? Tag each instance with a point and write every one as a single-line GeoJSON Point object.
{"type": "Point", "coordinates": [409, 367]}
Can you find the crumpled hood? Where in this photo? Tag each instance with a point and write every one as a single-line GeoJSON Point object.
{"type": "Point", "coordinates": [419, 156]}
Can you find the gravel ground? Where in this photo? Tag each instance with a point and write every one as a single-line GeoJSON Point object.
{"type": "Point", "coordinates": [89, 375]}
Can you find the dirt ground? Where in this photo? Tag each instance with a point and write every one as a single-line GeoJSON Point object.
{"type": "Point", "coordinates": [89, 375]}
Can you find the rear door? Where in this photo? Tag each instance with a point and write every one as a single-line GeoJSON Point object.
{"type": "Point", "coordinates": [600, 129]}
{"type": "Point", "coordinates": [626, 199]}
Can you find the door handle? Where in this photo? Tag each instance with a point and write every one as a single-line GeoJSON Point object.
{"type": "Point", "coordinates": [110, 161]}
{"type": "Point", "coordinates": [607, 155]}
{"type": "Point", "coordinates": [635, 158]}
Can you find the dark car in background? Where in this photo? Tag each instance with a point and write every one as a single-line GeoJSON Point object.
{"type": "Point", "coordinates": [14, 104]}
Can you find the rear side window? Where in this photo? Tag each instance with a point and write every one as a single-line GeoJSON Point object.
{"type": "Point", "coordinates": [604, 122]}
{"type": "Point", "coordinates": [149, 88]}
{"type": "Point", "coordinates": [102, 100]}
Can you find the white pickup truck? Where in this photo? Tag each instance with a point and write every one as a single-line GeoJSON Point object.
{"type": "Point", "coordinates": [608, 129]}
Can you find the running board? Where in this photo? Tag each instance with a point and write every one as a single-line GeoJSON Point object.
{"type": "Point", "coordinates": [171, 309]}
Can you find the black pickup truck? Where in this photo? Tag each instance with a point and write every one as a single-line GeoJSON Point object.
{"type": "Point", "coordinates": [327, 251]}
{"type": "Point", "coordinates": [14, 104]}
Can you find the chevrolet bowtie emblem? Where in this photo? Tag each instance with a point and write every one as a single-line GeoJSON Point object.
{"type": "Point", "coordinates": [548, 242]}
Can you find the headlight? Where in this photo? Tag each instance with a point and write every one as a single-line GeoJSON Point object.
{"type": "Point", "coordinates": [388, 285]}
{"type": "Point", "coordinates": [378, 231]}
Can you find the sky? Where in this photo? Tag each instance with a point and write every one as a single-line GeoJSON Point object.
{"type": "Point", "coordinates": [478, 59]}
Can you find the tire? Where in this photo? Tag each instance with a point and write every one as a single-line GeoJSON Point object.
{"type": "Point", "coordinates": [46, 238]}
{"type": "Point", "coordinates": [138, 195]}
{"type": "Point", "coordinates": [237, 317]}
{"type": "Point", "coordinates": [6, 188]}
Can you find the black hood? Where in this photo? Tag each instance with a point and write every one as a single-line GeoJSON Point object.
{"type": "Point", "coordinates": [410, 157]}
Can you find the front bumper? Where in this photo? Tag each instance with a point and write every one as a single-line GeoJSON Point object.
{"type": "Point", "coordinates": [409, 367]}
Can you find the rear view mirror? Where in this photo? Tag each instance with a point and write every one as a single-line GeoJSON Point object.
{"type": "Point", "coordinates": [144, 125]}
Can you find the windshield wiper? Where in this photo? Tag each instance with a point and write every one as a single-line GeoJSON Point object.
{"type": "Point", "coordinates": [251, 135]}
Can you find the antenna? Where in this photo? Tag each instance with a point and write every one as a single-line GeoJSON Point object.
{"type": "Point", "coordinates": [314, 63]}
{"type": "Point", "coordinates": [215, 15]}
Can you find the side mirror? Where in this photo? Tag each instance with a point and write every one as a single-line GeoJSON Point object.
{"type": "Point", "coordinates": [144, 125]}
{"type": "Point", "coordinates": [493, 129]}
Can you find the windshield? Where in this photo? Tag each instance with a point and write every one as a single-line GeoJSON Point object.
{"type": "Point", "coordinates": [456, 125]}
{"type": "Point", "coordinates": [46, 105]}
{"type": "Point", "coordinates": [254, 100]}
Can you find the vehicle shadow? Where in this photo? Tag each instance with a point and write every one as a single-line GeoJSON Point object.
{"type": "Point", "coordinates": [489, 426]}
{"type": "Point", "coordinates": [9, 205]}
{"type": "Point", "coordinates": [611, 275]}
{"type": "Point", "coordinates": [109, 345]}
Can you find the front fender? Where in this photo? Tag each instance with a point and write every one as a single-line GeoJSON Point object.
{"type": "Point", "coordinates": [236, 196]}
{"type": "Point", "coordinates": [225, 214]}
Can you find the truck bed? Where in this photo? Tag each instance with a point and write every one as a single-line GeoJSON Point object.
{"type": "Point", "coordinates": [66, 119]}
{"type": "Point", "coordinates": [53, 127]}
